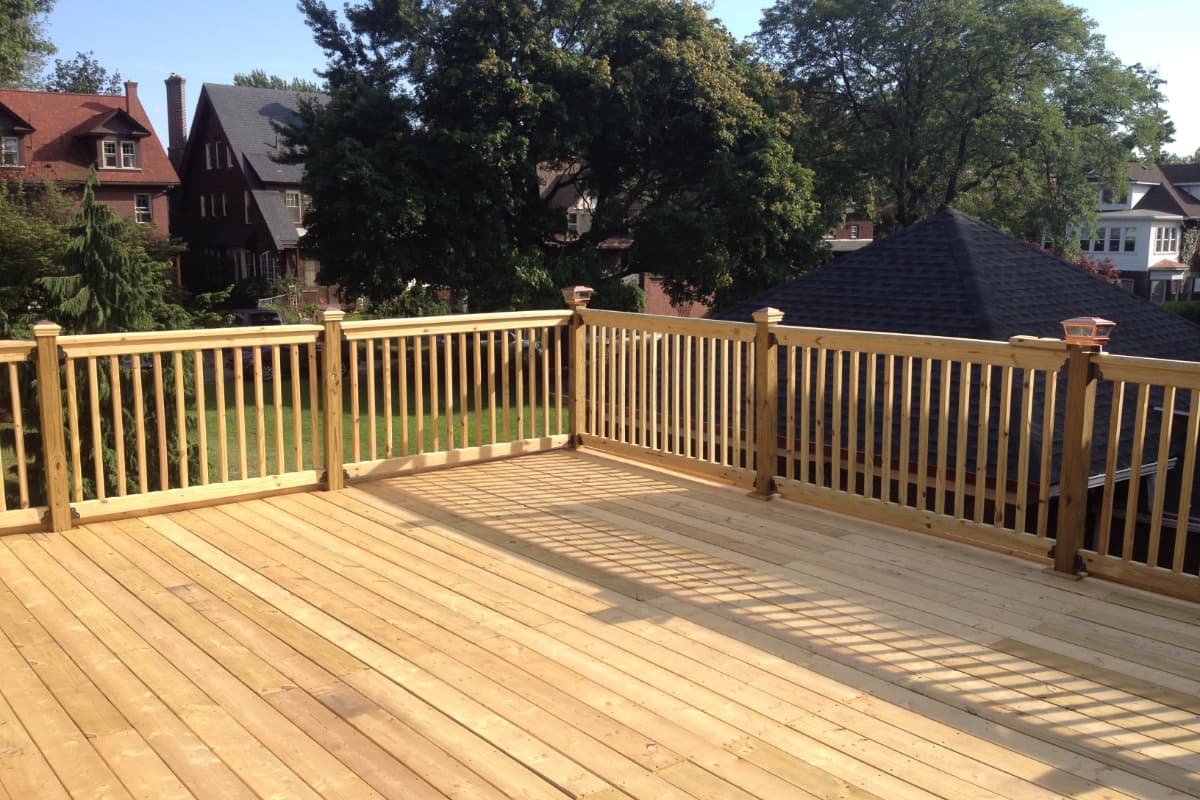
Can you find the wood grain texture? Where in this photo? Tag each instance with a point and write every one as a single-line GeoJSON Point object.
{"type": "Point", "coordinates": [621, 632]}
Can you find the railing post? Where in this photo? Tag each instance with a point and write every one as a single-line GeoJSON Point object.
{"type": "Point", "coordinates": [54, 441]}
{"type": "Point", "coordinates": [1076, 458]}
{"type": "Point", "coordinates": [766, 400]}
{"type": "Point", "coordinates": [577, 298]}
{"type": "Point", "coordinates": [331, 397]}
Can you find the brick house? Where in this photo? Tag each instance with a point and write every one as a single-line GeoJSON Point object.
{"type": "Point", "coordinates": [57, 137]}
{"type": "Point", "coordinates": [240, 211]}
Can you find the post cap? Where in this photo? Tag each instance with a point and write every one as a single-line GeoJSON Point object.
{"type": "Point", "coordinates": [1087, 330]}
{"type": "Point", "coordinates": [577, 296]}
{"type": "Point", "coordinates": [769, 315]}
{"type": "Point", "coordinates": [332, 314]}
{"type": "Point", "coordinates": [45, 327]}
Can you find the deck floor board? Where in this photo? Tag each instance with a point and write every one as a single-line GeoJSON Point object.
{"type": "Point", "coordinates": [570, 625]}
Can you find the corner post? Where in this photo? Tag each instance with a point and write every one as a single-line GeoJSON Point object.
{"type": "Point", "coordinates": [1076, 458]}
{"type": "Point", "coordinates": [54, 443]}
{"type": "Point", "coordinates": [766, 399]}
{"type": "Point", "coordinates": [577, 298]}
{"type": "Point", "coordinates": [331, 397]}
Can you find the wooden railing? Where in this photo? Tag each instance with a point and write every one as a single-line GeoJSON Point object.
{"type": "Point", "coordinates": [429, 392]}
{"type": "Point", "coordinates": [1032, 446]}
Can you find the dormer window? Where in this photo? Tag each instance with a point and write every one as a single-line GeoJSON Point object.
{"type": "Point", "coordinates": [10, 151]}
{"type": "Point", "coordinates": [118, 154]}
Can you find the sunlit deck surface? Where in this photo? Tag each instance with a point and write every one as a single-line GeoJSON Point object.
{"type": "Point", "coordinates": [570, 625]}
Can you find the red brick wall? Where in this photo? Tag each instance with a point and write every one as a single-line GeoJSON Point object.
{"type": "Point", "coordinates": [657, 301]}
{"type": "Point", "coordinates": [120, 200]}
{"type": "Point", "coordinates": [866, 230]}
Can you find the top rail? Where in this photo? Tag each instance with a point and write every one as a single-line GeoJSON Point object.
{"type": "Point", "coordinates": [1020, 351]}
{"type": "Point", "coordinates": [117, 344]}
{"type": "Point", "coordinates": [708, 328]}
{"type": "Point", "coordinates": [1156, 371]}
{"type": "Point", "coordinates": [16, 352]}
{"type": "Point", "coordinates": [459, 323]}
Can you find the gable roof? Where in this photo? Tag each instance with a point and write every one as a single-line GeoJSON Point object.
{"type": "Point", "coordinates": [953, 275]}
{"type": "Point", "coordinates": [1164, 195]}
{"type": "Point", "coordinates": [59, 126]}
{"type": "Point", "coordinates": [248, 115]}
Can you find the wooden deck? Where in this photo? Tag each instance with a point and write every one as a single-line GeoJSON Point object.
{"type": "Point", "coordinates": [568, 625]}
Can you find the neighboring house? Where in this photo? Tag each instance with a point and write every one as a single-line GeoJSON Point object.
{"type": "Point", "coordinates": [238, 206]}
{"type": "Point", "coordinates": [952, 275]}
{"type": "Point", "coordinates": [58, 137]}
{"type": "Point", "coordinates": [1140, 228]}
{"type": "Point", "coordinates": [560, 191]}
{"type": "Point", "coordinates": [854, 234]}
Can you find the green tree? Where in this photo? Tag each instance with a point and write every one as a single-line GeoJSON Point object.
{"type": "Point", "coordinates": [261, 80]}
{"type": "Point", "coordinates": [23, 45]}
{"type": "Point", "coordinates": [1004, 108]}
{"type": "Point", "coordinates": [83, 74]}
{"type": "Point", "coordinates": [457, 133]}
{"type": "Point", "coordinates": [107, 284]}
{"type": "Point", "coordinates": [32, 243]}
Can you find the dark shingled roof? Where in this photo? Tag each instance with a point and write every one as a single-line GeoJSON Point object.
{"type": "Point", "coordinates": [952, 275]}
{"type": "Point", "coordinates": [248, 116]}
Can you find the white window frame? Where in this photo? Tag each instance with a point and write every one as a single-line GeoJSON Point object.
{"type": "Point", "coordinates": [246, 206]}
{"type": "Point", "coordinates": [203, 205]}
{"type": "Point", "coordinates": [297, 216]}
{"type": "Point", "coordinates": [224, 206]}
{"type": "Point", "coordinates": [208, 155]}
{"type": "Point", "coordinates": [268, 265]}
{"type": "Point", "coordinates": [1166, 239]}
{"type": "Point", "coordinates": [1130, 240]}
{"type": "Point", "coordinates": [1100, 240]}
{"type": "Point", "coordinates": [854, 231]}
{"type": "Point", "coordinates": [143, 208]}
{"type": "Point", "coordinates": [110, 155]}
{"type": "Point", "coordinates": [10, 151]}
{"type": "Point", "coordinates": [128, 150]}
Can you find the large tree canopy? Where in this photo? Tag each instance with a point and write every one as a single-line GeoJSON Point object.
{"type": "Point", "coordinates": [83, 74]}
{"type": "Point", "coordinates": [457, 131]}
{"type": "Point", "coordinates": [22, 43]}
{"type": "Point", "coordinates": [1005, 108]}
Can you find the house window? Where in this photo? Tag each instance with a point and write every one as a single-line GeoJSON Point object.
{"type": "Point", "coordinates": [292, 201]}
{"type": "Point", "coordinates": [1084, 241]}
{"type": "Point", "coordinates": [224, 206]}
{"type": "Point", "coordinates": [1130, 239]}
{"type": "Point", "coordinates": [10, 152]}
{"type": "Point", "coordinates": [128, 155]}
{"type": "Point", "coordinates": [1098, 245]}
{"type": "Point", "coordinates": [268, 265]}
{"type": "Point", "coordinates": [141, 208]}
{"type": "Point", "coordinates": [228, 156]}
{"type": "Point", "coordinates": [1114, 239]}
{"type": "Point", "coordinates": [203, 205]}
{"type": "Point", "coordinates": [217, 155]}
{"type": "Point", "coordinates": [246, 206]}
{"type": "Point", "coordinates": [1166, 240]}
{"type": "Point", "coordinates": [109, 154]}
{"type": "Point", "coordinates": [853, 231]}
{"type": "Point", "coordinates": [1106, 196]}
{"type": "Point", "coordinates": [208, 155]}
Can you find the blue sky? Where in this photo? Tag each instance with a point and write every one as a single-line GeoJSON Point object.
{"type": "Point", "coordinates": [209, 42]}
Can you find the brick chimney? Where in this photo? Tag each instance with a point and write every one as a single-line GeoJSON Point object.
{"type": "Point", "coordinates": [130, 96]}
{"type": "Point", "coordinates": [176, 120]}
